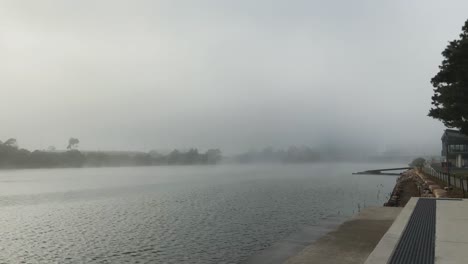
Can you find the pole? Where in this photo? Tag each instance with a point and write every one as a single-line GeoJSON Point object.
{"type": "Point", "coordinates": [448, 162]}
{"type": "Point", "coordinates": [462, 187]}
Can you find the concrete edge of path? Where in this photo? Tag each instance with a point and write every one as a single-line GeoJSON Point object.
{"type": "Point", "coordinates": [384, 249]}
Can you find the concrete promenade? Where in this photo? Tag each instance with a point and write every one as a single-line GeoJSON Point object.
{"type": "Point", "coordinates": [451, 233]}
{"type": "Point", "coordinates": [353, 241]}
{"type": "Point", "coordinates": [372, 236]}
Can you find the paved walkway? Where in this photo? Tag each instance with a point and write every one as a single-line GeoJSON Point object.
{"type": "Point", "coordinates": [353, 241]}
{"type": "Point", "coordinates": [357, 240]}
{"type": "Point", "coordinates": [451, 233]}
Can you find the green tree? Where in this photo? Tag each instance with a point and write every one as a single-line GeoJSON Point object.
{"type": "Point", "coordinates": [72, 158]}
{"type": "Point", "coordinates": [11, 142]}
{"type": "Point", "coordinates": [73, 143]}
{"type": "Point", "coordinates": [213, 156]}
{"type": "Point", "coordinates": [418, 162]}
{"type": "Point", "coordinates": [192, 156]}
{"type": "Point", "coordinates": [174, 157]}
{"type": "Point", "coordinates": [143, 159]}
{"type": "Point", "coordinates": [450, 99]}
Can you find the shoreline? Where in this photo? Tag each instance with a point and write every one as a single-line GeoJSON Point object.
{"type": "Point", "coordinates": [291, 246]}
{"type": "Point", "coordinates": [407, 185]}
{"type": "Point", "coordinates": [415, 183]}
{"type": "Point", "coordinates": [352, 241]}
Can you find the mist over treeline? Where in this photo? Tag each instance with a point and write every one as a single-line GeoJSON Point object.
{"type": "Point", "coordinates": [11, 156]}
{"type": "Point", "coordinates": [324, 153]}
{"type": "Point", "coordinates": [293, 154]}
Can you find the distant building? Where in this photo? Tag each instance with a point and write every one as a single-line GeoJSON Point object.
{"type": "Point", "coordinates": [456, 144]}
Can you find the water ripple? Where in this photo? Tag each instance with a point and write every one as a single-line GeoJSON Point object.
{"type": "Point", "coordinates": [222, 216]}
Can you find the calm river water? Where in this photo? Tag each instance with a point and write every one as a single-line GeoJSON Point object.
{"type": "Point", "coordinates": [189, 214]}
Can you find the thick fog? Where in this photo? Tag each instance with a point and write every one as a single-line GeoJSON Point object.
{"type": "Point", "coordinates": [235, 75]}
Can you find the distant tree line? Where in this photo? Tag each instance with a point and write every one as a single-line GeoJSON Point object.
{"type": "Point", "coordinates": [293, 154]}
{"type": "Point", "coordinates": [176, 157]}
{"type": "Point", "coordinates": [11, 156]}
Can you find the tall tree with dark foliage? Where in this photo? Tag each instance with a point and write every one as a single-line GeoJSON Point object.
{"type": "Point", "coordinates": [450, 99]}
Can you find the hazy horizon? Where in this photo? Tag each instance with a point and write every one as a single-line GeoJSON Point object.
{"type": "Point", "coordinates": [142, 75]}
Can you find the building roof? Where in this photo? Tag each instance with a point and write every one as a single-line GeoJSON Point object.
{"type": "Point", "coordinates": [452, 134]}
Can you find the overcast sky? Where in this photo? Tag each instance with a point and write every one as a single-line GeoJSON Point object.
{"type": "Point", "coordinates": [141, 75]}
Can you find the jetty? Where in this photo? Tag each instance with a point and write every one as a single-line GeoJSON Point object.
{"type": "Point", "coordinates": [384, 171]}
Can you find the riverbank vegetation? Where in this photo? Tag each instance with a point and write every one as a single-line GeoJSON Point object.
{"type": "Point", "coordinates": [293, 154]}
{"type": "Point", "coordinates": [11, 156]}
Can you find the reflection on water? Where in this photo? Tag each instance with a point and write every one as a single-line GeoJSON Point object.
{"type": "Point", "coordinates": [192, 214]}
